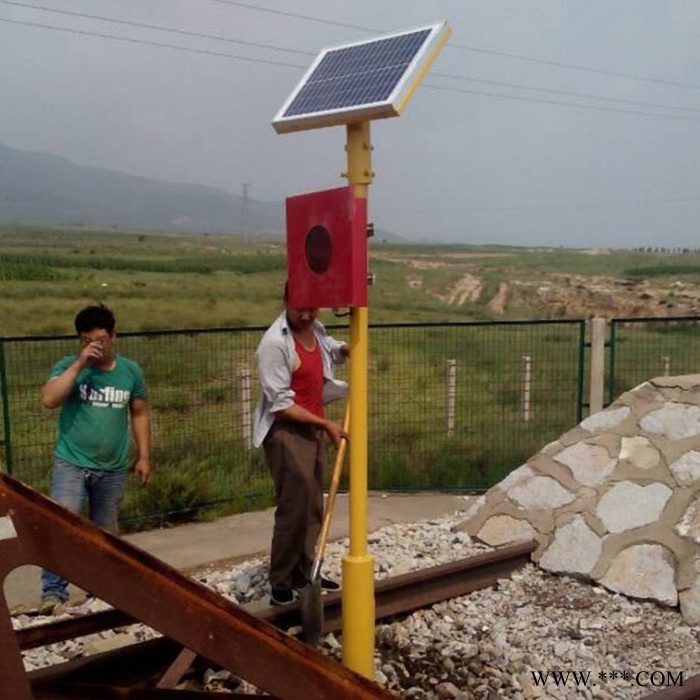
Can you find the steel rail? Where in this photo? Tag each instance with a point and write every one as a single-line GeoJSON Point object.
{"type": "Point", "coordinates": [88, 691]}
{"type": "Point", "coordinates": [394, 596]}
{"type": "Point", "coordinates": [690, 690]}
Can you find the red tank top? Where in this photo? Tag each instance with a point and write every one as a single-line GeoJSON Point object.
{"type": "Point", "coordinates": [307, 379]}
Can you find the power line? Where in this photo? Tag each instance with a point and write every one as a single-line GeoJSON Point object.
{"type": "Point", "coordinates": [201, 35]}
{"type": "Point", "coordinates": [144, 25]}
{"type": "Point", "coordinates": [296, 15]}
{"type": "Point", "coordinates": [475, 49]}
{"type": "Point", "coordinates": [574, 66]}
{"type": "Point", "coordinates": [159, 44]}
{"type": "Point", "coordinates": [537, 100]}
{"type": "Point", "coordinates": [557, 91]}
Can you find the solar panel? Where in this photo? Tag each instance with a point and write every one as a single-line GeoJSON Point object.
{"type": "Point", "coordinates": [364, 80]}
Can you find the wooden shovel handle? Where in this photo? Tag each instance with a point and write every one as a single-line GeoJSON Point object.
{"type": "Point", "coordinates": [333, 488]}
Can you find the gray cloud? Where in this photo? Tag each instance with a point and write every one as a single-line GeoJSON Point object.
{"type": "Point", "coordinates": [457, 166]}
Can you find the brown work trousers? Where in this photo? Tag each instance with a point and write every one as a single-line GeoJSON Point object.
{"type": "Point", "coordinates": [295, 454]}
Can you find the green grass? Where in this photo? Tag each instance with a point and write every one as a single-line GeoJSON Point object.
{"type": "Point", "coordinates": [161, 281]}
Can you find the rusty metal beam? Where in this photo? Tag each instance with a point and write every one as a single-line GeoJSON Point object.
{"type": "Point", "coordinates": [690, 690]}
{"type": "Point", "coordinates": [177, 669]}
{"type": "Point", "coordinates": [142, 664]}
{"type": "Point", "coordinates": [182, 609]}
{"type": "Point", "coordinates": [72, 691]}
{"type": "Point", "coordinates": [11, 666]}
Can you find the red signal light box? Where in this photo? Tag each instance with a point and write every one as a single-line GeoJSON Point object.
{"type": "Point", "coordinates": [327, 249]}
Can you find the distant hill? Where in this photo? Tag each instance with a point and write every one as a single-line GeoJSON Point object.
{"type": "Point", "coordinates": [43, 188]}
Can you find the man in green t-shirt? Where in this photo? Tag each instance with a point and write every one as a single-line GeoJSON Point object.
{"type": "Point", "coordinates": [99, 393]}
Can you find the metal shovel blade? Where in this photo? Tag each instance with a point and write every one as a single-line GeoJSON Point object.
{"type": "Point", "coordinates": [311, 607]}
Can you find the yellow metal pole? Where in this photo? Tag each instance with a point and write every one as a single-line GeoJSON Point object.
{"type": "Point", "coordinates": [358, 565]}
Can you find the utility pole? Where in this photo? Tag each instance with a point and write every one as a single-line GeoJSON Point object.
{"type": "Point", "coordinates": [246, 214]}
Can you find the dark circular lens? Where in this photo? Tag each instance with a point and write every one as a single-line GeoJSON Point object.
{"type": "Point", "coordinates": [319, 249]}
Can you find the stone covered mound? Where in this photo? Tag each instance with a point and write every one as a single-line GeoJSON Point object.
{"type": "Point", "coordinates": [615, 500]}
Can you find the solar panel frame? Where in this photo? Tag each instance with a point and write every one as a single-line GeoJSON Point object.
{"type": "Point", "coordinates": [389, 106]}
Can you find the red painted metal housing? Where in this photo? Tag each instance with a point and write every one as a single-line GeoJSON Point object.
{"type": "Point", "coordinates": [327, 249]}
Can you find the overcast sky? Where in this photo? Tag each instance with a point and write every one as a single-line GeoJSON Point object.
{"type": "Point", "coordinates": [494, 146]}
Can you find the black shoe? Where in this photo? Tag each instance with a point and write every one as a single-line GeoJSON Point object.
{"type": "Point", "coordinates": [50, 603]}
{"type": "Point", "coordinates": [282, 596]}
{"type": "Point", "coordinates": [328, 585]}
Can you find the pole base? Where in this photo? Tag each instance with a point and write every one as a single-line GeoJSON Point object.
{"type": "Point", "coordinates": [358, 614]}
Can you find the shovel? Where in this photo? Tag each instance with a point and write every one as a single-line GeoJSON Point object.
{"type": "Point", "coordinates": [310, 600]}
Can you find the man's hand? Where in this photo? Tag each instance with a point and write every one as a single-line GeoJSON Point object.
{"type": "Point", "coordinates": [345, 350]}
{"type": "Point", "coordinates": [335, 432]}
{"type": "Point", "coordinates": [91, 353]}
{"type": "Point", "coordinates": [143, 470]}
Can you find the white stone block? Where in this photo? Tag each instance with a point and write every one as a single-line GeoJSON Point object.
{"type": "Point", "coordinates": [628, 505]}
{"type": "Point", "coordinates": [502, 529]}
{"type": "Point", "coordinates": [605, 420]}
{"type": "Point", "coordinates": [540, 492]}
{"type": "Point", "coordinates": [522, 473]}
{"type": "Point", "coordinates": [675, 421]}
{"type": "Point", "coordinates": [574, 550]}
{"type": "Point", "coordinates": [690, 604]}
{"type": "Point", "coordinates": [689, 524]}
{"type": "Point", "coordinates": [589, 464]}
{"type": "Point", "coordinates": [643, 571]}
{"type": "Point", "coordinates": [686, 470]}
{"type": "Point", "coordinates": [639, 452]}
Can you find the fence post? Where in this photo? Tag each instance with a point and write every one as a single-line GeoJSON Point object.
{"type": "Point", "coordinates": [246, 414]}
{"type": "Point", "coordinates": [667, 365]}
{"type": "Point", "coordinates": [451, 396]}
{"type": "Point", "coordinates": [526, 383]}
{"type": "Point", "coordinates": [597, 378]}
{"type": "Point", "coordinates": [5, 409]}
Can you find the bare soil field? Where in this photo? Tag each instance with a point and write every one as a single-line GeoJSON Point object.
{"type": "Point", "coordinates": [530, 283]}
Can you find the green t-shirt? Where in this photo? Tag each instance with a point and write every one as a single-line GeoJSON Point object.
{"type": "Point", "coordinates": [93, 426]}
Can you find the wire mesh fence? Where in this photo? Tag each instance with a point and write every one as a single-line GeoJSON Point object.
{"type": "Point", "coordinates": [458, 406]}
{"type": "Point", "coordinates": [451, 406]}
{"type": "Point", "coordinates": [643, 348]}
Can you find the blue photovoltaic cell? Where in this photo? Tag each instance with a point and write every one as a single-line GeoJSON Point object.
{"type": "Point", "coordinates": [357, 75]}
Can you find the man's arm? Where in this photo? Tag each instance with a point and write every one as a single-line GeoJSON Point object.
{"type": "Point", "coordinates": [298, 414]}
{"type": "Point", "coordinates": [59, 388]}
{"type": "Point", "coordinates": [141, 428]}
{"type": "Point", "coordinates": [338, 349]}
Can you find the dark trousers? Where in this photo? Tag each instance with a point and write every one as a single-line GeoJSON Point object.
{"type": "Point", "coordinates": [295, 455]}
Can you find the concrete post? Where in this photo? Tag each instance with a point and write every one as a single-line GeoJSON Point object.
{"type": "Point", "coordinates": [526, 385]}
{"type": "Point", "coordinates": [667, 365]}
{"type": "Point", "coordinates": [451, 396]}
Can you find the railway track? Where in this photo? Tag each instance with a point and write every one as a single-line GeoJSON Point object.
{"type": "Point", "coordinates": [199, 628]}
{"type": "Point", "coordinates": [398, 595]}
{"type": "Point", "coordinates": [164, 663]}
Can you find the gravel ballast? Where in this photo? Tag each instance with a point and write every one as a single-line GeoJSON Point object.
{"type": "Point", "coordinates": [534, 635]}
